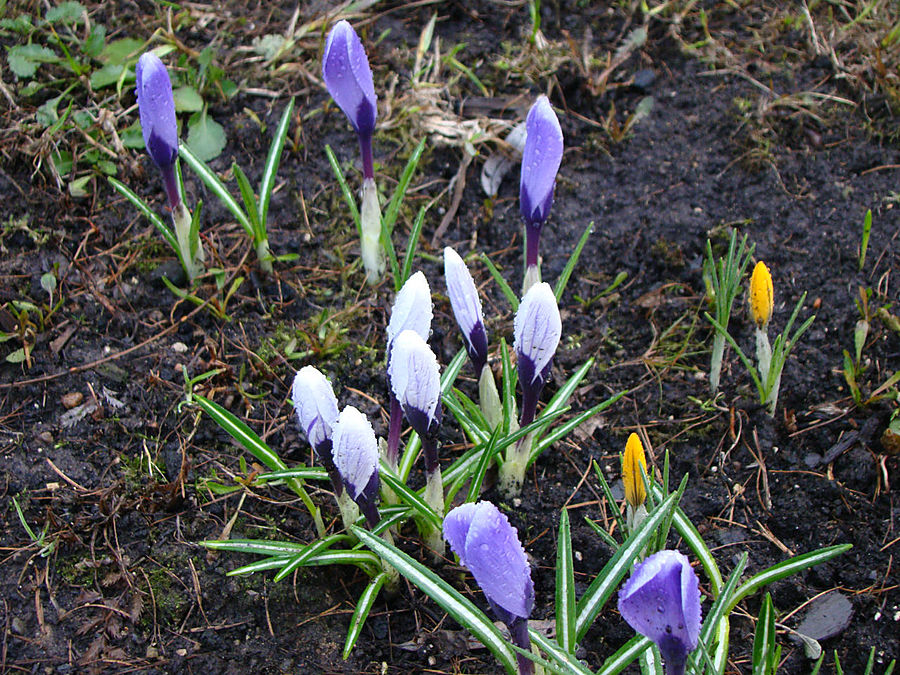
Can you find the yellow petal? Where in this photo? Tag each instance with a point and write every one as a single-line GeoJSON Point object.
{"type": "Point", "coordinates": [762, 295]}
{"type": "Point", "coordinates": [631, 471]}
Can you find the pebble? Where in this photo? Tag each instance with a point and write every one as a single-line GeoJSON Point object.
{"type": "Point", "coordinates": [18, 626]}
{"type": "Point", "coordinates": [72, 399]}
{"type": "Point", "coordinates": [179, 348]}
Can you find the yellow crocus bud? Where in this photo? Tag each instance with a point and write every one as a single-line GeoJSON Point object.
{"type": "Point", "coordinates": [762, 295]}
{"type": "Point", "coordinates": [635, 494]}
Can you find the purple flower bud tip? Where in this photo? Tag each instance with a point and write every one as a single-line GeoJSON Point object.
{"type": "Point", "coordinates": [540, 161]}
{"type": "Point", "coordinates": [412, 309]}
{"type": "Point", "coordinates": [537, 330]}
{"type": "Point", "coordinates": [355, 452]}
{"type": "Point", "coordinates": [466, 307]}
{"type": "Point", "coordinates": [348, 77]}
{"type": "Point", "coordinates": [316, 406]}
{"type": "Point", "coordinates": [489, 546]}
{"type": "Point", "coordinates": [416, 381]}
{"type": "Point", "coordinates": [661, 601]}
{"type": "Point", "coordinates": [157, 110]}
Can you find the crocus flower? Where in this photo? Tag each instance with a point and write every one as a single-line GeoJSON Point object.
{"type": "Point", "coordinates": [540, 162]}
{"type": "Point", "coordinates": [661, 601]}
{"type": "Point", "coordinates": [632, 463]}
{"type": "Point", "coordinates": [537, 329]}
{"type": "Point", "coordinates": [411, 310]}
{"type": "Point", "coordinates": [345, 69]}
{"type": "Point", "coordinates": [466, 307]}
{"type": "Point", "coordinates": [416, 381]}
{"type": "Point", "coordinates": [355, 452]}
{"type": "Point", "coordinates": [317, 411]}
{"type": "Point", "coordinates": [416, 385]}
{"type": "Point", "coordinates": [156, 106]}
{"type": "Point", "coordinates": [489, 546]}
{"type": "Point", "coordinates": [762, 295]}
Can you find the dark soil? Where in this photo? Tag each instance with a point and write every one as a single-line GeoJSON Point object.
{"type": "Point", "coordinates": [121, 487]}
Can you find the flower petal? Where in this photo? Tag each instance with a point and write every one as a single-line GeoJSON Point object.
{"type": "Point", "coordinates": [537, 328]}
{"type": "Point", "coordinates": [466, 306]}
{"type": "Point", "coordinates": [315, 404]}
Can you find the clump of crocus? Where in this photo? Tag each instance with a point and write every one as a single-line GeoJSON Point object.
{"type": "Point", "coordinates": [634, 466]}
{"type": "Point", "coordinates": [540, 163]}
{"type": "Point", "coordinates": [467, 309]}
{"type": "Point", "coordinates": [661, 601]}
{"type": "Point", "coordinates": [416, 384]}
{"type": "Point", "coordinates": [537, 330]}
{"type": "Point", "coordinates": [355, 452]}
{"type": "Point", "coordinates": [489, 546]}
{"type": "Point", "coordinates": [412, 310]}
{"type": "Point", "coordinates": [317, 413]}
{"type": "Point", "coordinates": [156, 106]}
{"type": "Point", "coordinates": [345, 69]}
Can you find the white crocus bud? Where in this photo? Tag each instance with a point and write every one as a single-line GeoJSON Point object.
{"type": "Point", "coordinates": [412, 309]}
{"type": "Point", "coordinates": [356, 458]}
{"type": "Point", "coordinates": [466, 307]}
{"type": "Point", "coordinates": [316, 407]}
{"type": "Point", "coordinates": [416, 381]}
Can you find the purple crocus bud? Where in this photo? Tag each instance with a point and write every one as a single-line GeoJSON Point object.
{"type": "Point", "coordinates": [537, 330]}
{"type": "Point", "coordinates": [412, 309]}
{"type": "Point", "coordinates": [355, 451]}
{"type": "Point", "coordinates": [345, 69]}
{"type": "Point", "coordinates": [540, 161]}
{"type": "Point", "coordinates": [416, 381]}
{"type": "Point", "coordinates": [661, 601]}
{"type": "Point", "coordinates": [489, 546]}
{"type": "Point", "coordinates": [156, 106]}
{"type": "Point", "coordinates": [317, 412]}
{"type": "Point", "coordinates": [466, 307]}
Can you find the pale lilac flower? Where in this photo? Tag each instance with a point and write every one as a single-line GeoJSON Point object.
{"type": "Point", "coordinates": [345, 69]}
{"type": "Point", "coordinates": [355, 452]}
{"type": "Point", "coordinates": [466, 307]}
{"type": "Point", "coordinates": [661, 601]}
{"type": "Point", "coordinates": [411, 310]}
{"type": "Point", "coordinates": [537, 330]}
{"type": "Point", "coordinates": [156, 106]}
{"type": "Point", "coordinates": [540, 163]}
{"type": "Point", "coordinates": [416, 381]}
{"type": "Point", "coordinates": [489, 546]}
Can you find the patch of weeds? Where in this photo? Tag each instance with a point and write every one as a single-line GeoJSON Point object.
{"type": "Point", "coordinates": [667, 253]}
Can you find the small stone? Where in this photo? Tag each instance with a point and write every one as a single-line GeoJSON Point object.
{"type": "Point", "coordinates": [181, 652]}
{"type": "Point", "coordinates": [46, 437]}
{"type": "Point", "coordinates": [179, 348]}
{"type": "Point", "coordinates": [18, 626]}
{"type": "Point", "coordinates": [72, 399]}
{"type": "Point", "coordinates": [152, 652]}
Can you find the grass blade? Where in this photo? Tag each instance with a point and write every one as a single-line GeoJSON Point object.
{"type": "Point", "coordinates": [410, 497]}
{"type": "Point", "coordinates": [247, 196]}
{"type": "Point", "coordinates": [267, 183]}
{"type": "Point", "coordinates": [393, 208]}
{"type": "Point", "coordinates": [764, 639]}
{"type": "Point", "coordinates": [345, 189]}
{"type": "Point", "coordinates": [625, 656]}
{"type": "Point", "coordinates": [211, 180]}
{"type": "Point", "coordinates": [570, 264]}
{"type": "Point", "coordinates": [361, 613]}
{"type": "Point", "coordinates": [785, 569]}
{"type": "Point", "coordinates": [501, 282]}
{"type": "Point", "coordinates": [411, 245]}
{"type": "Point", "coordinates": [565, 586]}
